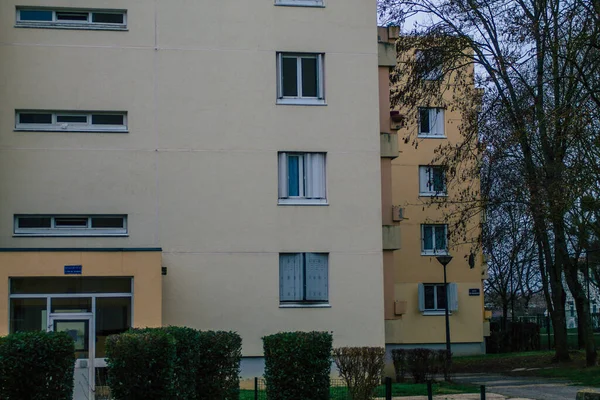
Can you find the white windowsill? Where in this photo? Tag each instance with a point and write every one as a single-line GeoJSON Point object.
{"type": "Point", "coordinates": [302, 202]}
{"type": "Point", "coordinates": [304, 305]}
{"type": "Point", "coordinates": [433, 194]}
{"type": "Point", "coordinates": [300, 3]}
{"type": "Point", "coordinates": [70, 234]}
{"type": "Point", "coordinates": [432, 136]}
{"type": "Point", "coordinates": [432, 254]}
{"type": "Point", "coordinates": [72, 130]}
{"type": "Point", "coordinates": [301, 102]}
{"type": "Point", "coordinates": [435, 313]}
{"type": "Point", "coordinates": [67, 25]}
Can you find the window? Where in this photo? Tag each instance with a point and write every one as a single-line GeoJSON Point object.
{"type": "Point", "coordinates": [429, 64]}
{"type": "Point", "coordinates": [302, 178]}
{"type": "Point", "coordinates": [300, 79]}
{"type": "Point", "coordinates": [432, 181]}
{"type": "Point", "coordinates": [303, 278]}
{"type": "Point", "coordinates": [434, 239]}
{"type": "Point", "coordinates": [70, 225]}
{"type": "Point", "coordinates": [305, 3]}
{"type": "Point", "coordinates": [432, 298]}
{"type": "Point", "coordinates": [71, 121]}
{"type": "Point", "coordinates": [431, 122]}
{"type": "Point", "coordinates": [67, 18]}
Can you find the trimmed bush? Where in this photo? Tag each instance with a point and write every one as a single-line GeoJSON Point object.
{"type": "Point", "coordinates": [218, 365]}
{"type": "Point", "coordinates": [399, 360]}
{"type": "Point", "coordinates": [422, 364]}
{"type": "Point", "coordinates": [141, 365]}
{"type": "Point", "coordinates": [297, 365]}
{"type": "Point", "coordinates": [207, 363]}
{"type": "Point", "coordinates": [361, 368]}
{"type": "Point", "coordinates": [37, 365]}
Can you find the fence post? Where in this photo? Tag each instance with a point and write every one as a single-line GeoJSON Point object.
{"type": "Point", "coordinates": [388, 388]}
{"type": "Point", "coordinates": [482, 392]}
{"type": "Point", "coordinates": [255, 388]}
{"type": "Point", "coordinates": [429, 391]}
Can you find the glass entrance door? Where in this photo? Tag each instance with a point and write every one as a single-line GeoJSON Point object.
{"type": "Point", "coordinates": [79, 327]}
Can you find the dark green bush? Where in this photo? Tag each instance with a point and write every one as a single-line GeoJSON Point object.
{"type": "Point", "coordinates": [36, 365]}
{"type": "Point", "coordinates": [399, 360]}
{"type": "Point", "coordinates": [420, 364]}
{"type": "Point", "coordinates": [218, 365]}
{"type": "Point", "coordinates": [141, 365]}
{"type": "Point", "coordinates": [207, 363]}
{"type": "Point", "coordinates": [297, 365]}
{"type": "Point", "coordinates": [361, 368]}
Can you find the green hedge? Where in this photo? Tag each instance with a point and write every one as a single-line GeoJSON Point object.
{"type": "Point", "coordinates": [37, 365]}
{"type": "Point", "coordinates": [141, 365]}
{"type": "Point", "coordinates": [207, 364]}
{"type": "Point", "coordinates": [297, 365]}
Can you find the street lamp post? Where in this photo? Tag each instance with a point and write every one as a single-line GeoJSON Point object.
{"type": "Point", "coordinates": [445, 260]}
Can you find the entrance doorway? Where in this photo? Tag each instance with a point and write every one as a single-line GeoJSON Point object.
{"type": "Point", "coordinates": [87, 309]}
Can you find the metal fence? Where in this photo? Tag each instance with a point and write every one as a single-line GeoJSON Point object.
{"type": "Point", "coordinates": [337, 390]}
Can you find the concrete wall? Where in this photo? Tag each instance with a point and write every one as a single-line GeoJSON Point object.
{"type": "Point", "coordinates": [197, 172]}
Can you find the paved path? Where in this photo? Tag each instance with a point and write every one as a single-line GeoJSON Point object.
{"type": "Point", "coordinates": [523, 387]}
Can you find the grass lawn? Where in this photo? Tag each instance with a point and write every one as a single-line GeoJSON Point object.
{"type": "Point", "coordinates": [575, 371]}
{"type": "Point", "coordinates": [398, 389]}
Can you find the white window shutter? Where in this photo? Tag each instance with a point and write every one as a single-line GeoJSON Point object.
{"type": "Point", "coordinates": [283, 176]}
{"type": "Point", "coordinates": [452, 297]}
{"type": "Point", "coordinates": [316, 277]}
{"type": "Point", "coordinates": [439, 121]}
{"type": "Point", "coordinates": [421, 297]}
{"type": "Point", "coordinates": [290, 277]}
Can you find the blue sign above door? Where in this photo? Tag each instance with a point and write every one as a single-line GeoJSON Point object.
{"type": "Point", "coordinates": [73, 269]}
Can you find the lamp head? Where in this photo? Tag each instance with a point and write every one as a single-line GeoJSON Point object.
{"type": "Point", "coordinates": [445, 259]}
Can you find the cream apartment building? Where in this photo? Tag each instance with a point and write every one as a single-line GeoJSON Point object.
{"type": "Point", "coordinates": [414, 289]}
{"type": "Point", "coordinates": [213, 164]}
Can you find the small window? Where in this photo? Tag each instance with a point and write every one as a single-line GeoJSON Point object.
{"type": "Point", "coordinates": [67, 18]}
{"type": "Point", "coordinates": [432, 297]}
{"type": "Point", "coordinates": [432, 181]}
{"type": "Point", "coordinates": [70, 225]}
{"type": "Point", "coordinates": [302, 178]}
{"type": "Point", "coordinates": [74, 121]}
{"type": "Point", "coordinates": [431, 122]}
{"type": "Point", "coordinates": [303, 278]}
{"type": "Point", "coordinates": [429, 64]}
{"type": "Point", "coordinates": [434, 239]}
{"type": "Point", "coordinates": [302, 3]}
{"type": "Point", "coordinates": [300, 79]}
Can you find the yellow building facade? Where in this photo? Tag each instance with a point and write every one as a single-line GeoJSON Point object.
{"type": "Point", "coordinates": [414, 296]}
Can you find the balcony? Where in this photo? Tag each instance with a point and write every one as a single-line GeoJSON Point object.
{"type": "Point", "coordinates": [389, 145]}
{"type": "Point", "coordinates": [391, 237]}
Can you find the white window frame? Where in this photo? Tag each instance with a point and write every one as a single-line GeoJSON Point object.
{"type": "Point", "coordinates": [300, 3]}
{"type": "Point", "coordinates": [304, 303]}
{"type": "Point", "coordinates": [53, 230]}
{"type": "Point", "coordinates": [451, 297]}
{"type": "Point", "coordinates": [426, 180]}
{"type": "Point", "coordinates": [56, 126]}
{"type": "Point", "coordinates": [317, 180]}
{"type": "Point", "coordinates": [66, 24]}
{"type": "Point", "coordinates": [299, 99]}
{"type": "Point", "coordinates": [437, 122]}
{"type": "Point", "coordinates": [433, 252]}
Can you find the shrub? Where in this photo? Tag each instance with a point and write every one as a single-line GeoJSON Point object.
{"type": "Point", "coordinates": [218, 365]}
{"type": "Point", "coordinates": [297, 365]}
{"type": "Point", "coordinates": [399, 360]}
{"type": "Point", "coordinates": [208, 363]}
{"type": "Point", "coordinates": [37, 365]}
{"type": "Point", "coordinates": [443, 363]}
{"type": "Point", "coordinates": [361, 368]}
{"type": "Point", "coordinates": [141, 365]}
{"type": "Point", "coordinates": [420, 364]}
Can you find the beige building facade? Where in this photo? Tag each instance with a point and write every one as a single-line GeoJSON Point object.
{"type": "Point", "coordinates": [221, 155]}
{"type": "Point", "coordinates": [413, 290]}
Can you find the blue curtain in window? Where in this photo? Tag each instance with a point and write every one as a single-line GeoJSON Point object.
{"type": "Point", "coordinates": [293, 173]}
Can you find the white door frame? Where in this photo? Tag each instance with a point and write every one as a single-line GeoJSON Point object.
{"type": "Point", "coordinates": [90, 317]}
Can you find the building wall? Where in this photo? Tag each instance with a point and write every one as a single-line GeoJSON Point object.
{"type": "Point", "coordinates": [197, 172]}
{"type": "Point", "coordinates": [412, 328]}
